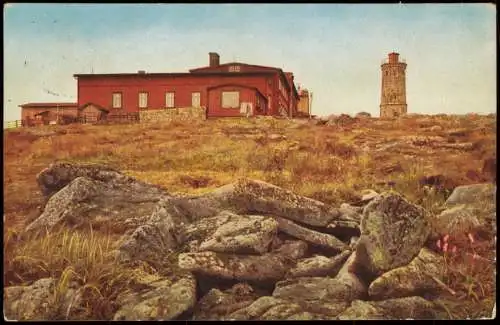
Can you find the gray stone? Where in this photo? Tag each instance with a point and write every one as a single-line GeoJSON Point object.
{"type": "Point", "coordinates": [38, 301]}
{"type": "Point", "coordinates": [246, 234]}
{"type": "Point", "coordinates": [343, 288]}
{"type": "Point", "coordinates": [310, 236]}
{"type": "Point", "coordinates": [159, 236]}
{"type": "Point", "coordinates": [257, 197]}
{"type": "Point", "coordinates": [399, 308]}
{"type": "Point", "coordinates": [271, 266]}
{"type": "Point", "coordinates": [319, 266]}
{"type": "Point", "coordinates": [85, 199]}
{"type": "Point", "coordinates": [217, 305]}
{"type": "Point", "coordinates": [161, 300]}
{"type": "Point", "coordinates": [58, 175]}
{"type": "Point", "coordinates": [457, 221]}
{"type": "Point", "coordinates": [475, 195]}
{"type": "Point", "coordinates": [413, 279]}
{"type": "Point", "coordinates": [392, 233]}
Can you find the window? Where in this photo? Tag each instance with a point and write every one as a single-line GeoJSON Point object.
{"type": "Point", "coordinates": [195, 99]}
{"type": "Point", "coordinates": [170, 99]}
{"type": "Point", "coordinates": [234, 68]}
{"type": "Point", "coordinates": [117, 100]}
{"type": "Point", "coordinates": [230, 99]}
{"type": "Point", "coordinates": [143, 100]}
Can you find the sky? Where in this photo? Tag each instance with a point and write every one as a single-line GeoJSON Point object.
{"type": "Point", "coordinates": [334, 50]}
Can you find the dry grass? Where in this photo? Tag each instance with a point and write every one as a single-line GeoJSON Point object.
{"type": "Point", "coordinates": [326, 163]}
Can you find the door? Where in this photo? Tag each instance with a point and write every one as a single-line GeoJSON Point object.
{"type": "Point", "coordinates": [196, 99]}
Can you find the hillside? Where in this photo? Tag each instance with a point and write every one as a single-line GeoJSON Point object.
{"type": "Point", "coordinates": [331, 163]}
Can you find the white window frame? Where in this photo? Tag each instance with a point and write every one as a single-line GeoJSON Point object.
{"type": "Point", "coordinates": [234, 68]}
{"type": "Point", "coordinates": [143, 99]}
{"type": "Point", "coordinates": [230, 99]}
{"type": "Point", "coordinates": [193, 96]}
{"type": "Point", "coordinates": [169, 99]}
{"type": "Point", "coordinates": [117, 100]}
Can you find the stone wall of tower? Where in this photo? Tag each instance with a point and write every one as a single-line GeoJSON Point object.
{"type": "Point", "coordinates": [393, 99]}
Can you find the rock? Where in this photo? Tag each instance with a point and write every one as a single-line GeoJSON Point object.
{"type": "Point", "coordinates": [476, 194]}
{"type": "Point", "coordinates": [268, 267]}
{"type": "Point", "coordinates": [343, 288]}
{"type": "Point", "coordinates": [310, 236]}
{"type": "Point", "coordinates": [217, 305]}
{"type": "Point", "coordinates": [414, 279]}
{"type": "Point", "coordinates": [248, 196]}
{"type": "Point", "coordinates": [269, 308]}
{"type": "Point", "coordinates": [231, 233]}
{"type": "Point", "coordinates": [85, 199]}
{"type": "Point", "coordinates": [368, 195]}
{"type": "Point", "coordinates": [161, 234]}
{"type": "Point", "coordinates": [399, 308]}
{"type": "Point", "coordinates": [162, 300]}
{"type": "Point", "coordinates": [436, 128]}
{"type": "Point", "coordinates": [38, 301]}
{"type": "Point", "coordinates": [489, 169]}
{"type": "Point", "coordinates": [392, 233]}
{"type": "Point", "coordinates": [245, 235]}
{"type": "Point", "coordinates": [457, 221]}
{"type": "Point", "coordinates": [319, 266]}
{"type": "Point", "coordinates": [58, 175]}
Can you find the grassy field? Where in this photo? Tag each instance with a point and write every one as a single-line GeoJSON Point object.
{"type": "Point", "coordinates": [329, 163]}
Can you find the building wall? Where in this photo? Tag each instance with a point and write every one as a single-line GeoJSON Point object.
{"type": "Point", "coordinates": [393, 99]}
{"type": "Point", "coordinates": [29, 112]}
{"type": "Point", "coordinates": [173, 114]}
{"type": "Point", "coordinates": [92, 114]}
{"type": "Point", "coordinates": [303, 105]}
{"type": "Point", "coordinates": [99, 90]}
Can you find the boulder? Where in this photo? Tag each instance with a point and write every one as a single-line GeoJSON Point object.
{"type": "Point", "coordinates": [160, 234]}
{"type": "Point", "coordinates": [85, 199]}
{"type": "Point", "coordinates": [38, 302]}
{"type": "Point", "coordinates": [244, 235]}
{"type": "Point", "coordinates": [160, 300]}
{"type": "Point", "coordinates": [270, 308]}
{"type": "Point", "coordinates": [474, 195]}
{"type": "Point", "coordinates": [248, 196]}
{"type": "Point", "coordinates": [333, 293]}
{"type": "Point", "coordinates": [268, 267]}
{"type": "Point", "coordinates": [319, 266]}
{"type": "Point", "coordinates": [399, 308]}
{"type": "Point", "coordinates": [414, 279]}
{"type": "Point", "coordinates": [392, 233]}
{"type": "Point", "coordinates": [217, 304]}
{"type": "Point", "coordinates": [58, 175]}
{"type": "Point", "coordinates": [457, 221]}
{"type": "Point", "coordinates": [310, 236]}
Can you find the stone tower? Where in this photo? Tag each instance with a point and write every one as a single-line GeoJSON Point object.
{"type": "Point", "coordinates": [393, 100]}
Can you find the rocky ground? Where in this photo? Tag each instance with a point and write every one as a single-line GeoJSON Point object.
{"type": "Point", "coordinates": [251, 250]}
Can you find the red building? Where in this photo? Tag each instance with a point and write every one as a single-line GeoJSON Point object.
{"type": "Point", "coordinates": [47, 113]}
{"type": "Point", "coordinates": [226, 90]}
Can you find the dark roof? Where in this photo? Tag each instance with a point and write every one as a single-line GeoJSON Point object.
{"type": "Point", "coordinates": [234, 63]}
{"type": "Point", "coordinates": [237, 85]}
{"type": "Point", "coordinates": [42, 113]}
{"type": "Point", "coordinates": [99, 107]}
{"type": "Point", "coordinates": [162, 74]}
{"type": "Point", "coordinates": [48, 104]}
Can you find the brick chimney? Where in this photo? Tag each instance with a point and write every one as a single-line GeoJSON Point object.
{"type": "Point", "coordinates": [213, 59]}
